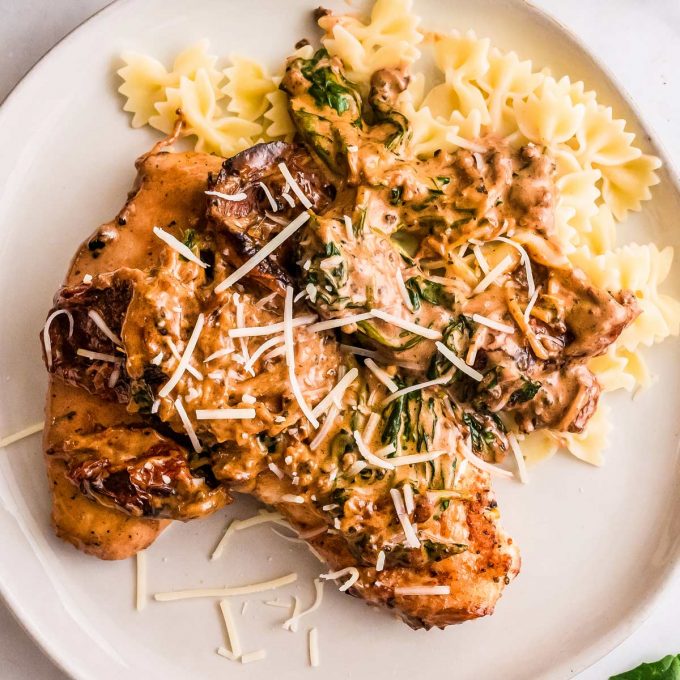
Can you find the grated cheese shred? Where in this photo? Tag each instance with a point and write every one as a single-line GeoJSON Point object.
{"type": "Point", "coordinates": [261, 254]}
{"type": "Point", "coordinates": [294, 186]}
{"type": "Point", "coordinates": [352, 572]}
{"type": "Point", "coordinates": [186, 358]}
{"type": "Point", "coordinates": [22, 434]}
{"type": "Point", "coordinates": [381, 375]}
{"type": "Point", "coordinates": [262, 586]}
{"type": "Point", "coordinates": [47, 341]}
{"type": "Point", "coordinates": [178, 246]}
{"type": "Point", "coordinates": [230, 625]}
{"type": "Point", "coordinates": [369, 455]}
{"type": "Point", "coordinates": [183, 416]}
{"type": "Point", "coordinates": [336, 394]}
{"type": "Point", "coordinates": [290, 357]}
{"type": "Point", "coordinates": [458, 362]}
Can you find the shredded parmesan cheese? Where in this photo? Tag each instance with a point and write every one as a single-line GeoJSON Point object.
{"type": "Point", "coordinates": [526, 261]}
{"type": "Point", "coordinates": [381, 375]}
{"type": "Point", "coordinates": [254, 656]}
{"type": "Point", "coordinates": [349, 229]}
{"type": "Point", "coordinates": [240, 196]}
{"type": "Point", "coordinates": [371, 424]}
{"type": "Point", "coordinates": [354, 469]}
{"type": "Point", "coordinates": [262, 586]}
{"type": "Point", "coordinates": [313, 643]}
{"type": "Point", "coordinates": [225, 413]}
{"type": "Point", "coordinates": [416, 458]}
{"type": "Point", "coordinates": [409, 532]}
{"type": "Point", "coordinates": [271, 329]}
{"type": "Point", "coordinates": [272, 203]}
{"type": "Point", "coordinates": [140, 569]}
{"type": "Point", "coordinates": [241, 524]}
{"type": "Point", "coordinates": [183, 250]}
{"type": "Point", "coordinates": [98, 356]}
{"type": "Point", "coordinates": [101, 325]}
{"type": "Point", "coordinates": [481, 260]}
{"type": "Point", "coordinates": [352, 572]}
{"type": "Point", "coordinates": [292, 498]}
{"type": "Point", "coordinates": [325, 428]}
{"type": "Point", "coordinates": [294, 185]}
{"type": "Point", "coordinates": [409, 504]}
{"type": "Point", "coordinates": [368, 455]}
{"type": "Point", "coordinates": [261, 254]}
{"type": "Point", "coordinates": [47, 342]}
{"type": "Point", "coordinates": [22, 434]}
{"type": "Point", "coordinates": [181, 412]}
{"type": "Point", "coordinates": [277, 220]}
{"type": "Point", "coordinates": [491, 323]}
{"type": "Point", "coordinates": [422, 590]}
{"type": "Point", "coordinates": [186, 358]}
{"type": "Point", "coordinates": [402, 290]}
{"type": "Point", "coordinates": [429, 333]}
{"type": "Point", "coordinates": [380, 562]}
{"type": "Point", "coordinates": [530, 305]}
{"type": "Point", "coordinates": [311, 291]}
{"type": "Point", "coordinates": [318, 599]}
{"type": "Point", "coordinates": [419, 386]}
{"type": "Point", "coordinates": [478, 462]}
{"type": "Point", "coordinates": [340, 322]}
{"type": "Point", "coordinates": [290, 358]}
{"type": "Point", "coordinates": [519, 457]}
{"type": "Point", "coordinates": [230, 625]}
{"type": "Point", "coordinates": [276, 470]}
{"type": "Point", "coordinates": [491, 277]}
{"type": "Point", "coordinates": [224, 652]}
{"type": "Point", "coordinates": [458, 362]}
{"type": "Point", "coordinates": [336, 394]}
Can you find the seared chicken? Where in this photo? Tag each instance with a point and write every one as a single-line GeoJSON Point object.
{"type": "Point", "coordinates": [171, 389]}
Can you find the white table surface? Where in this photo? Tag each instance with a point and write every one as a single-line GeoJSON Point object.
{"type": "Point", "coordinates": [638, 41]}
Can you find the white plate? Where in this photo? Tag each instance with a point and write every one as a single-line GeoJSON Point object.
{"type": "Point", "coordinates": [597, 545]}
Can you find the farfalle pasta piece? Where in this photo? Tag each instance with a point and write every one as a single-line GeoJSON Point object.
{"type": "Point", "coordinates": [277, 120]}
{"type": "Point", "coordinates": [641, 269]}
{"type": "Point", "coordinates": [388, 39]}
{"type": "Point", "coordinates": [625, 186]}
{"type": "Point", "coordinates": [463, 59]}
{"type": "Point", "coordinates": [601, 236]}
{"type": "Point", "coordinates": [575, 91]}
{"type": "Point", "coordinates": [462, 56]}
{"type": "Point", "coordinates": [197, 100]}
{"type": "Point", "coordinates": [538, 446]}
{"type": "Point", "coordinates": [602, 140]}
{"type": "Point", "coordinates": [247, 87]}
{"type": "Point", "coordinates": [460, 97]}
{"type": "Point", "coordinates": [578, 191]}
{"type": "Point", "coordinates": [428, 134]}
{"type": "Point", "coordinates": [145, 79]}
{"type": "Point", "coordinates": [589, 445]}
{"type": "Point", "coordinates": [548, 117]}
{"type": "Point", "coordinates": [619, 369]}
{"type": "Point", "coordinates": [507, 78]}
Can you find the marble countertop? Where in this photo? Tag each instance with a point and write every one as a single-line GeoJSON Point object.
{"type": "Point", "coordinates": [639, 42]}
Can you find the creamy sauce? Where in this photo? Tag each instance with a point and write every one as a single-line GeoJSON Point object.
{"type": "Point", "coordinates": [421, 239]}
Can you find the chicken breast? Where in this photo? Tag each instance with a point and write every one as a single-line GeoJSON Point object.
{"type": "Point", "coordinates": [360, 378]}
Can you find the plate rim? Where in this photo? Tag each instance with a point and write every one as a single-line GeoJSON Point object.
{"type": "Point", "coordinates": [619, 632]}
